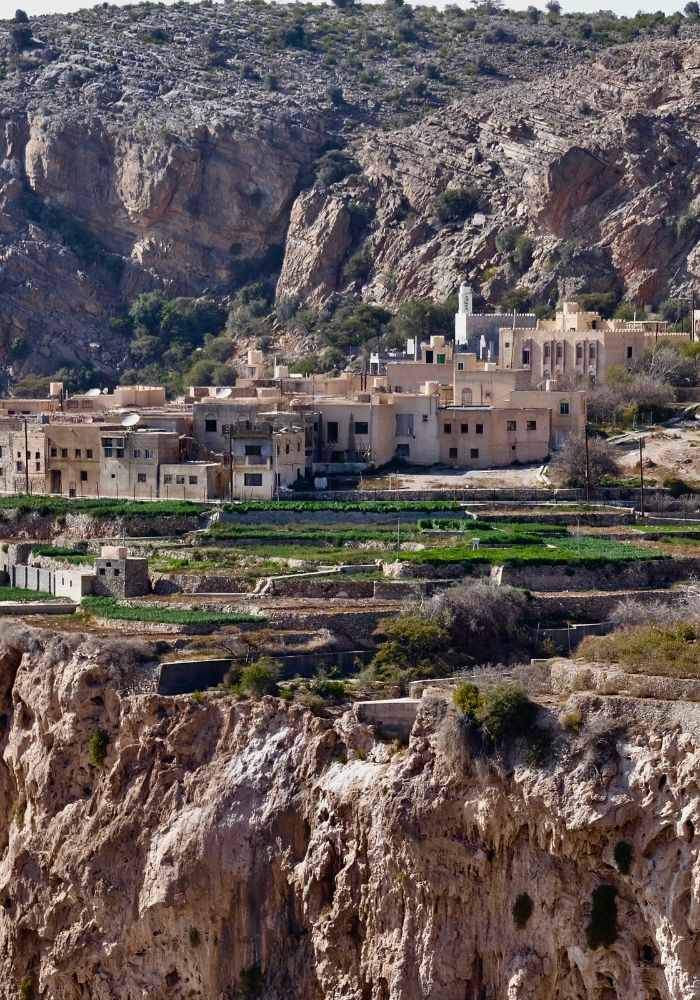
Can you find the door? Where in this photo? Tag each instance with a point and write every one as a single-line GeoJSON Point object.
{"type": "Point", "coordinates": [56, 481]}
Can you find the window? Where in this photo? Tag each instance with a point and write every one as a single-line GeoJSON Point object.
{"type": "Point", "coordinates": [137, 453]}
{"type": "Point", "coordinates": [453, 453]}
{"type": "Point", "coordinates": [78, 453]}
{"type": "Point", "coordinates": [193, 480]}
{"type": "Point", "coordinates": [19, 466]}
{"type": "Point", "coordinates": [117, 572]}
{"type": "Point", "coordinates": [506, 343]}
{"type": "Point", "coordinates": [547, 352]}
{"type": "Point", "coordinates": [564, 408]}
{"type": "Point", "coordinates": [464, 428]}
{"type": "Point", "coordinates": [37, 454]}
{"type": "Point", "coordinates": [404, 425]}
{"type": "Point", "coordinates": [591, 352]}
{"type": "Point", "coordinates": [252, 479]}
{"type": "Point", "coordinates": [579, 353]}
{"type": "Point", "coordinates": [332, 431]}
{"type": "Point", "coordinates": [286, 448]}
{"type": "Point", "coordinates": [460, 366]}
{"type": "Point", "coordinates": [210, 425]}
{"type": "Point", "coordinates": [179, 480]}
{"type": "Point", "coordinates": [102, 571]}
{"type": "Point", "coordinates": [441, 359]}
{"type": "Point", "coordinates": [447, 428]}
{"type": "Point", "coordinates": [424, 418]}
{"type": "Point", "coordinates": [253, 449]}
{"type": "Point", "coordinates": [361, 427]}
{"type": "Point", "coordinates": [429, 356]}
{"type": "Point", "coordinates": [479, 428]}
{"type": "Point", "coordinates": [83, 476]}
{"type": "Point", "coordinates": [526, 356]}
{"type": "Point", "coordinates": [629, 352]}
{"type": "Point", "coordinates": [64, 453]}
{"type": "Point", "coordinates": [148, 454]}
{"type": "Point", "coordinates": [88, 453]}
{"type": "Point", "coordinates": [37, 466]}
{"type": "Point", "coordinates": [511, 425]}
{"type": "Point", "coordinates": [53, 453]}
{"type": "Point", "coordinates": [167, 478]}
{"type": "Point", "coordinates": [532, 425]}
{"type": "Point", "coordinates": [560, 351]}
{"type": "Point", "coordinates": [473, 452]}
{"type": "Point", "coordinates": [141, 477]}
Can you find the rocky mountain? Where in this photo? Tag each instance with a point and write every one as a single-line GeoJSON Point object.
{"type": "Point", "coordinates": [224, 849]}
{"type": "Point", "coordinates": [187, 149]}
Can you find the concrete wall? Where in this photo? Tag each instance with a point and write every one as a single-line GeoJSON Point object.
{"type": "Point", "coordinates": [394, 716]}
{"type": "Point", "coordinates": [186, 676]}
{"type": "Point", "coordinates": [73, 584]}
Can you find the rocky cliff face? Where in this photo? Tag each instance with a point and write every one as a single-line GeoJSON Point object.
{"type": "Point", "coordinates": [598, 165]}
{"type": "Point", "coordinates": [172, 148]}
{"type": "Point", "coordinates": [226, 849]}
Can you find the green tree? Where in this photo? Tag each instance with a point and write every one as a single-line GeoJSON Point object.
{"type": "Point", "coordinates": [507, 713]}
{"type": "Point", "coordinates": [455, 204]}
{"type": "Point", "coordinates": [260, 678]}
{"type": "Point", "coordinates": [412, 644]}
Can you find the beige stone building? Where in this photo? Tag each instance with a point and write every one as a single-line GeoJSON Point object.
{"type": "Point", "coordinates": [22, 455]}
{"type": "Point", "coordinates": [579, 343]}
{"type": "Point", "coordinates": [480, 437]}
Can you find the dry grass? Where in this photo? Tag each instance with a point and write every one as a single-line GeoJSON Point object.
{"type": "Point", "coordinates": [668, 652]}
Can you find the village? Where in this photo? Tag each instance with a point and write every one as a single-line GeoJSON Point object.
{"type": "Point", "coordinates": [497, 394]}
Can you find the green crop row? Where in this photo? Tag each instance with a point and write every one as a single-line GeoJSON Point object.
{"type": "Point", "coordinates": [20, 594]}
{"type": "Point", "coordinates": [101, 508]}
{"type": "Point", "coordinates": [108, 607]}
{"type": "Point", "coordinates": [569, 551]}
{"type": "Point", "coordinates": [357, 506]}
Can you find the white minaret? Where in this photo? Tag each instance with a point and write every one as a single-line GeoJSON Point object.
{"type": "Point", "coordinates": [465, 309]}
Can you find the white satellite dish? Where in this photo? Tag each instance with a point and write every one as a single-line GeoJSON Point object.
{"type": "Point", "coordinates": [223, 393]}
{"type": "Point", "coordinates": [131, 419]}
{"type": "Point", "coordinates": [94, 392]}
{"type": "Point", "coordinates": [105, 391]}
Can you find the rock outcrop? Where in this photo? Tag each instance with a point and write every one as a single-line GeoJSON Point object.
{"type": "Point", "coordinates": [225, 849]}
{"type": "Point", "coordinates": [597, 165]}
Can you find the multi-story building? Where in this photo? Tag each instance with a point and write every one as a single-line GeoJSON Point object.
{"type": "Point", "coordinates": [22, 455]}
{"type": "Point", "coordinates": [580, 344]}
{"type": "Point", "coordinates": [479, 332]}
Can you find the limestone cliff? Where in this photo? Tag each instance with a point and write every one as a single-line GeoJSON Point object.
{"type": "Point", "coordinates": [228, 849]}
{"type": "Point", "coordinates": [174, 148]}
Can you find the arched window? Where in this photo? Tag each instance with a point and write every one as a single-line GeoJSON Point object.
{"type": "Point", "coordinates": [467, 396]}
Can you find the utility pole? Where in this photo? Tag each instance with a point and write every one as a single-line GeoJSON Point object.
{"type": "Point", "coordinates": [230, 462]}
{"type": "Point", "coordinates": [26, 457]}
{"type": "Point", "coordinates": [588, 467]}
{"type": "Point", "coordinates": [641, 476]}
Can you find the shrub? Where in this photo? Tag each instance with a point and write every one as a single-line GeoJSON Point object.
{"type": "Point", "coordinates": [522, 910]}
{"type": "Point", "coordinates": [359, 754]}
{"type": "Point", "coordinates": [197, 697]}
{"type": "Point", "coordinates": [260, 678]}
{"type": "Point", "coordinates": [252, 982]}
{"type": "Point", "coordinates": [97, 747]}
{"type": "Point", "coordinates": [17, 811]}
{"type": "Point", "coordinates": [195, 938]}
{"type": "Point", "coordinates": [507, 712]}
{"type": "Point", "coordinates": [572, 720]}
{"type": "Point", "coordinates": [414, 644]}
{"type": "Point", "coordinates": [26, 989]}
{"type": "Point", "coordinates": [622, 855]}
{"type": "Point", "coordinates": [569, 465]}
{"type": "Point", "coordinates": [602, 928]}
{"type": "Point", "coordinates": [468, 700]}
{"type": "Point", "coordinates": [455, 204]}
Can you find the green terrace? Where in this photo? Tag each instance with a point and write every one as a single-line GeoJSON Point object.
{"type": "Point", "coordinates": [76, 555]}
{"type": "Point", "coordinates": [108, 607]}
{"type": "Point", "coordinates": [356, 506]}
{"type": "Point", "coordinates": [19, 594]}
{"type": "Point", "coordinates": [583, 551]}
{"type": "Point", "coordinates": [43, 505]}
